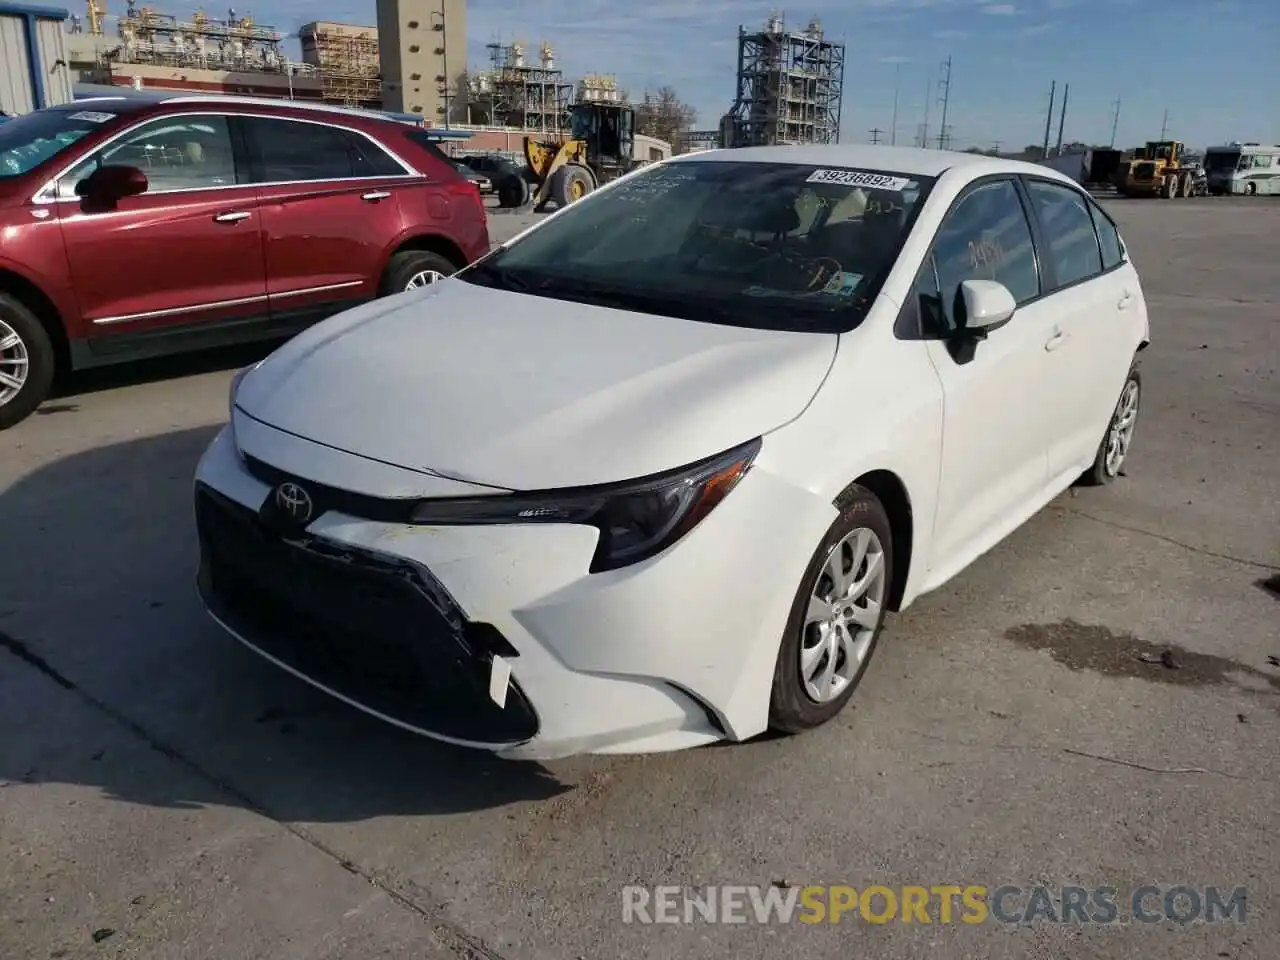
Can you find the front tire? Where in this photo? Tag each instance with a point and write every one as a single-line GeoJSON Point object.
{"type": "Point", "coordinates": [1113, 451]}
{"type": "Point", "coordinates": [412, 269]}
{"type": "Point", "coordinates": [836, 618]}
{"type": "Point", "coordinates": [27, 362]}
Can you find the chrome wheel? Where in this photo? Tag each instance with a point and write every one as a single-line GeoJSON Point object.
{"type": "Point", "coordinates": [424, 278]}
{"type": "Point", "coordinates": [14, 363]}
{"type": "Point", "coordinates": [1121, 433]}
{"type": "Point", "coordinates": [842, 616]}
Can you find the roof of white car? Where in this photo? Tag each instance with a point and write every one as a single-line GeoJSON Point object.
{"type": "Point", "coordinates": [912, 161]}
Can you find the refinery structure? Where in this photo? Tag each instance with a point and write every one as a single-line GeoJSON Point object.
{"type": "Point", "coordinates": [790, 86]}
{"type": "Point", "coordinates": [413, 62]}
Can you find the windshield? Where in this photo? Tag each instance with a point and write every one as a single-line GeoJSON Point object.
{"type": "Point", "coordinates": [1221, 161]}
{"type": "Point", "coordinates": [30, 140]}
{"type": "Point", "coordinates": [767, 245]}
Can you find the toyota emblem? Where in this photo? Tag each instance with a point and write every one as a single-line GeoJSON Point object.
{"type": "Point", "coordinates": [294, 502]}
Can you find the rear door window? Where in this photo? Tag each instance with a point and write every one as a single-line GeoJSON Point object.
{"type": "Point", "coordinates": [1069, 231]}
{"type": "Point", "coordinates": [1108, 238]}
{"type": "Point", "coordinates": [292, 151]}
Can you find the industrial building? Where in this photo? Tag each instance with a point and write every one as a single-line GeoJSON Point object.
{"type": "Point", "coordinates": [200, 54]}
{"type": "Point", "coordinates": [345, 57]}
{"type": "Point", "coordinates": [33, 59]}
{"type": "Point", "coordinates": [423, 50]}
{"type": "Point", "coordinates": [789, 87]}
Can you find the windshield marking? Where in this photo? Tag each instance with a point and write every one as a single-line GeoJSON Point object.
{"type": "Point", "coordinates": [92, 116]}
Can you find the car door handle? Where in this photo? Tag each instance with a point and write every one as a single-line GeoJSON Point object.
{"type": "Point", "coordinates": [1126, 301]}
{"type": "Point", "coordinates": [234, 216]}
{"type": "Point", "coordinates": [375, 196]}
{"type": "Point", "coordinates": [1057, 340]}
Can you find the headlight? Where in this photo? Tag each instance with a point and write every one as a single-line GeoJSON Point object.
{"type": "Point", "coordinates": [636, 519]}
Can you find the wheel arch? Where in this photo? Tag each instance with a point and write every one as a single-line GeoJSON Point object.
{"type": "Point", "coordinates": [892, 493]}
{"type": "Point", "coordinates": [46, 311]}
{"type": "Point", "coordinates": [430, 242]}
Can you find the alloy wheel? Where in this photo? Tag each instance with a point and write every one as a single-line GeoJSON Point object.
{"type": "Point", "coordinates": [843, 614]}
{"type": "Point", "coordinates": [1120, 434]}
{"type": "Point", "coordinates": [14, 363]}
{"type": "Point", "coordinates": [424, 278]}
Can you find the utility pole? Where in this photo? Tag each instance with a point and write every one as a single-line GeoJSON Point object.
{"type": "Point", "coordinates": [924, 127]}
{"type": "Point", "coordinates": [1048, 120]}
{"type": "Point", "coordinates": [945, 84]}
{"type": "Point", "coordinates": [897, 86]}
{"type": "Point", "coordinates": [995, 147]}
{"type": "Point", "coordinates": [1062, 120]}
{"type": "Point", "coordinates": [875, 134]}
{"type": "Point", "coordinates": [1164, 126]}
{"type": "Point", "coordinates": [1115, 121]}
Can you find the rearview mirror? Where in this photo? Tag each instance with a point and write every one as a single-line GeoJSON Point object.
{"type": "Point", "coordinates": [108, 184]}
{"type": "Point", "coordinates": [987, 305]}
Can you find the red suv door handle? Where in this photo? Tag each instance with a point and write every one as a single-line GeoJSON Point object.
{"type": "Point", "coordinates": [375, 196]}
{"type": "Point", "coordinates": [233, 217]}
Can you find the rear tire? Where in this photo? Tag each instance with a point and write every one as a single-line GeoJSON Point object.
{"type": "Point", "coordinates": [839, 647]}
{"type": "Point", "coordinates": [513, 192]}
{"type": "Point", "coordinates": [571, 182]}
{"type": "Point", "coordinates": [411, 269]}
{"type": "Point", "coordinates": [1113, 451]}
{"type": "Point", "coordinates": [27, 362]}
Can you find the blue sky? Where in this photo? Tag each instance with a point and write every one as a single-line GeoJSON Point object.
{"type": "Point", "coordinates": [1210, 63]}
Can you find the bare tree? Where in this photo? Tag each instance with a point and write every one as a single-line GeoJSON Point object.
{"type": "Point", "coordinates": [665, 116]}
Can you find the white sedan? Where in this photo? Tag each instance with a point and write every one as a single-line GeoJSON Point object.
{"type": "Point", "coordinates": [652, 474]}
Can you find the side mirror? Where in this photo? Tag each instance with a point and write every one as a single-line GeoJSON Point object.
{"type": "Point", "coordinates": [108, 184]}
{"type": "Point", "coordinates": [988, 304]}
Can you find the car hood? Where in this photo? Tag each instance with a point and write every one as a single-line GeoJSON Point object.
{"type": "Point", "coordinates": [523, 392]}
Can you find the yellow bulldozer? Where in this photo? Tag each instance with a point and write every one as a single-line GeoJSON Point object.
{"type": "Point", "coordinates": [1157, 170]}
{"type": "Point", "coordinates": [599, 148]}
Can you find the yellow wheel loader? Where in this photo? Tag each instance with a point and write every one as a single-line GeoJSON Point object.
{"type": "Point", "coordinates": [1157, 170]}
{"type": "Point", "coordinates": [599, 148]}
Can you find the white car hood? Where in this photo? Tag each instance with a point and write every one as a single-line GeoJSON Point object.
{"type": "Point", "coordinates": [524, 393]}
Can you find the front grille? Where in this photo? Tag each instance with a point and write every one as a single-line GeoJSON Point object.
{"type": "Point", "coordinates": [377, 631]}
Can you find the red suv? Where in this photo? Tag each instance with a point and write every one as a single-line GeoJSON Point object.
{"type": "Point", "coordinates": [143, 225]}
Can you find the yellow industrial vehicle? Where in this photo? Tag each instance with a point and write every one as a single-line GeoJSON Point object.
{"type": "Point", "coordinates": [599, 148]}
{"type": "Point", "coordinates": [1157, 170]}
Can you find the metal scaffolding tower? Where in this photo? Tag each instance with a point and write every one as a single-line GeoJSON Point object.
{"type": "Point", "coordinates": [529, 96]}
{"type": "Point", "coordinates": [790, 85]}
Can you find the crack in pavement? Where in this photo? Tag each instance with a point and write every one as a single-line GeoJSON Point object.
{"type": "Point", "coordinates": [1244, 562]}
{"type": "Point", "coordinates": [455, 940]}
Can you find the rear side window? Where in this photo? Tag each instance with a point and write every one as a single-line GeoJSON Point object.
{"type": "Point", "coordinates": [1108, 238]}
{"type": "Point", "coordinates": [422, 141]}
{"type": "Point", "coordinates": [291, 151]}
{"type": "Point", "coordinates": [1069, 232]}
{"type": "Point", "coordinates": [986, 237]}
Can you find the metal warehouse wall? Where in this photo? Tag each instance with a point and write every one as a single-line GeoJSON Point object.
{"type": "Point", "coordinates": [16, 95]}
{"type": "Point", "coordinates": [23, 88]}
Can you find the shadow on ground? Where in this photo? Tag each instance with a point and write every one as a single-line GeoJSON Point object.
{"type": "Point", "coordinates": [153, 371]}
{"type": "Point", "coordinates": [99, 620]}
